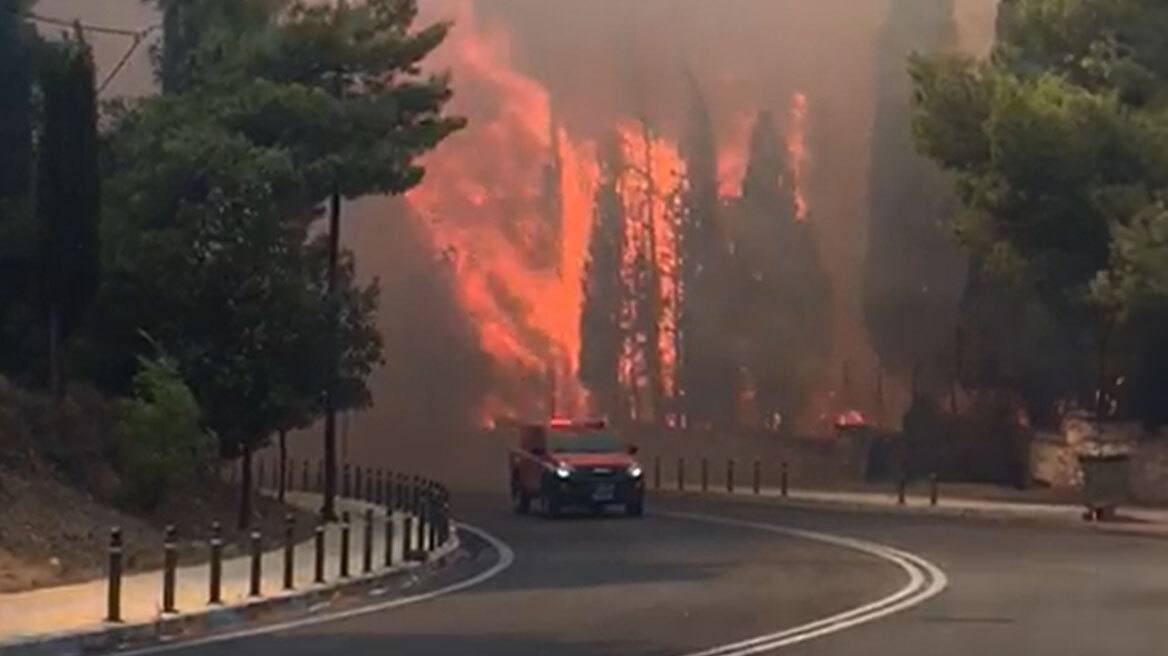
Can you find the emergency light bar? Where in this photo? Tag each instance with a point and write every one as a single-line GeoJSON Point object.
{"type": "Point", "coordinates": [595, 424]}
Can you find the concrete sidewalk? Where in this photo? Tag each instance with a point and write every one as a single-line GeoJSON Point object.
{"type": "Point", "coordinates": [80, 607]}
{"type": "Point", "coordinates": [1153, 521]}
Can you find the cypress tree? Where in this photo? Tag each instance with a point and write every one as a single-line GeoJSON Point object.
{"type": "Point", "coordinates": [68, 196]}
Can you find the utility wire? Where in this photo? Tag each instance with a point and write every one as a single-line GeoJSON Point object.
{"type": "Point", "coordinates": [136, 36]}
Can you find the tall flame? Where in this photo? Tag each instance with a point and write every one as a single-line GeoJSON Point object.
{"type": "Point", "coordinates": [508, 203]}
{"type": "Point", "coordinates": [648, 185]}
{"type": "Point", "coordinates": [797, 150]}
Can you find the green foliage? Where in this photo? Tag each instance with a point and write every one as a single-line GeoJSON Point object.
{"type": "Point", "coordinates": [161, 444]}
{"type": "Point", "coordinates": [1059, 145]}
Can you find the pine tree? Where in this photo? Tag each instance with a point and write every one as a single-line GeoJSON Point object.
{"type": "Point", "coordinates": [68, 195]}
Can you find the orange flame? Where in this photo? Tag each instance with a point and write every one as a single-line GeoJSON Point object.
{"type": "Point", "coordinates": [517, 265]}
{"type": "Point", "coordinates": [797, 149]}
{"type": "Point", "coordinates": [650, 181]}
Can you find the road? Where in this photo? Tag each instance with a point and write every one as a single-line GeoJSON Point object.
{"type": "Point", "coordinates": [670, 585]}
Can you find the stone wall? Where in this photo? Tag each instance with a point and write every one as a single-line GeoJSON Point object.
{"type": "Point", "coordinates": [1054, 457]}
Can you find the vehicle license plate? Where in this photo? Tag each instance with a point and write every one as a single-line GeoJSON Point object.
{"type": "Point", "coordinates": [603, 492]}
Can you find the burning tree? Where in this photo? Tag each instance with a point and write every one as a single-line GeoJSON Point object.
{"type": "Point", "coordinates": [601, 332]}
{"type": "Point", "coordinates": [780, 282]}
{"type": "Point", "coordinates": [706, 370]}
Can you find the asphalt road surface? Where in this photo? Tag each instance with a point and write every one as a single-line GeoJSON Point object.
{"type": "Point", "coordinates": [682, 586]}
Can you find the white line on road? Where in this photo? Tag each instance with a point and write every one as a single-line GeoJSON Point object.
{"type": "Point", "coordinates": [925, 581]}
{"type": "Point", "coordinates": [506, 558]}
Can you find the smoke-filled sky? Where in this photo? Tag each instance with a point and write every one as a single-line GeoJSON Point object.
{"type": "Point", "coordinates": [459, 311]}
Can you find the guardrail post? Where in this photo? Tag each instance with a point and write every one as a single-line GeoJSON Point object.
{"type": "Point", "coordinates": [391, 490]}
{"type": "Point", "coordinates": [932, 489]}
{"type": "Point", "coordinates": [656, 472]}
{"type": "Point", "coordinates": [318, 545]}
{"type": "Point", "coordinates": [169, 563]}
{"type": "Point", "coordinates": [681, 474]}
{"type": "Point", "coordinates": [407, 538]}
{"type": "Point", "coordinates": [901, 488]}
{"type": "Point", "coordinates": [420, 539]}
{"type": "Point", "coordinates": [388, 538]}
{"type": "Point", "coordinates": [435, 518]}
{"type": "Point", "coordinates": [289, 549]}
{"type": "Point", "coordinates": [257, 555]}
{"type": "Point", "coordinates": [345, 544]}
{"type": "Point", "coordinates": [367, 553]}
{"type": "Point", "coordinates": [215, 593]}
{"type": "Point", "coordinates": [705, 475]}
{"type": "Point", "coordinates": [756, 478]}
{"type": "Point", "coordinates": [730, 475]}
{"type": "Point", "coordinates": [114, 598]}
{"type": "Point", "coordinates": [783, 480]}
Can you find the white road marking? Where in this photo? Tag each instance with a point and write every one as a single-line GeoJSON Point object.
{"type": "Point", "coordinates": [926, 580]}
{"type": "Point", "coordinates": [506, 558]}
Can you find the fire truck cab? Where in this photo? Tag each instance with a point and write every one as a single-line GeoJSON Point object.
{"type": "Point", "coordinates": [563, 463]}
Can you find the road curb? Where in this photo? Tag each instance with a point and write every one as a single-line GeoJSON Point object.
{"type": "Point", "coordinates": [1136, 528]}
{"type": "Point", "coordinates": [166, 629]}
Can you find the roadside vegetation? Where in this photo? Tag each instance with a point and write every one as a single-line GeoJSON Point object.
{"type": "Point", "coordinates": [167, 281]}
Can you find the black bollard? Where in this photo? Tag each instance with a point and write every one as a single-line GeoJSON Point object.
{"type": "Point", "coordinates": [367, 555]}
{"type": "Point", "coordinates": [114, 599]}
{"type": "Point", "coordinates": [345, 545]}
{"type": "Point", "coordinates": [756, 478]}
{"type": "Point", "coordinates": [369, 488]}
{"type": "Point", "coordinates": [681, 474]}
{"type": "Point", "coordinates": [318, 565]}
{"type": "Point", "coordinates": [257, 555]}
{"type": "Point", "coordinates": [169, 563]}
{"type": "Point", "coordinates": [933, 489]}
{"type": "Point", "coordinates": [730, 476]}
{"type": "Point", "coordinates": [389, 491]}
{"type": "Point", "coordinates": [358, 491]}
{"type": "Point", "coordinates": [783, 480]}
{"type": "Point", "coordinates": [705, 475]}
{"type": "Point", "coordinates": [378, 491]}
{"type": "Point", "coordinates": [215, 596]}
{"type": "Point", "coordinates": [289, 549]}
{"type": "Point", "coordinates": [389, 538]}
{"type": "Point", "coordinates": [901, 488]}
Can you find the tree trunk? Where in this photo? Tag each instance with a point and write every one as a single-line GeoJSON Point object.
{"type": "Point", "coordinates": [283, 466]}
{"type": "Point", "coordinates": [245, 491]}
{"type": "Point", "coordinates": [328, 510]}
